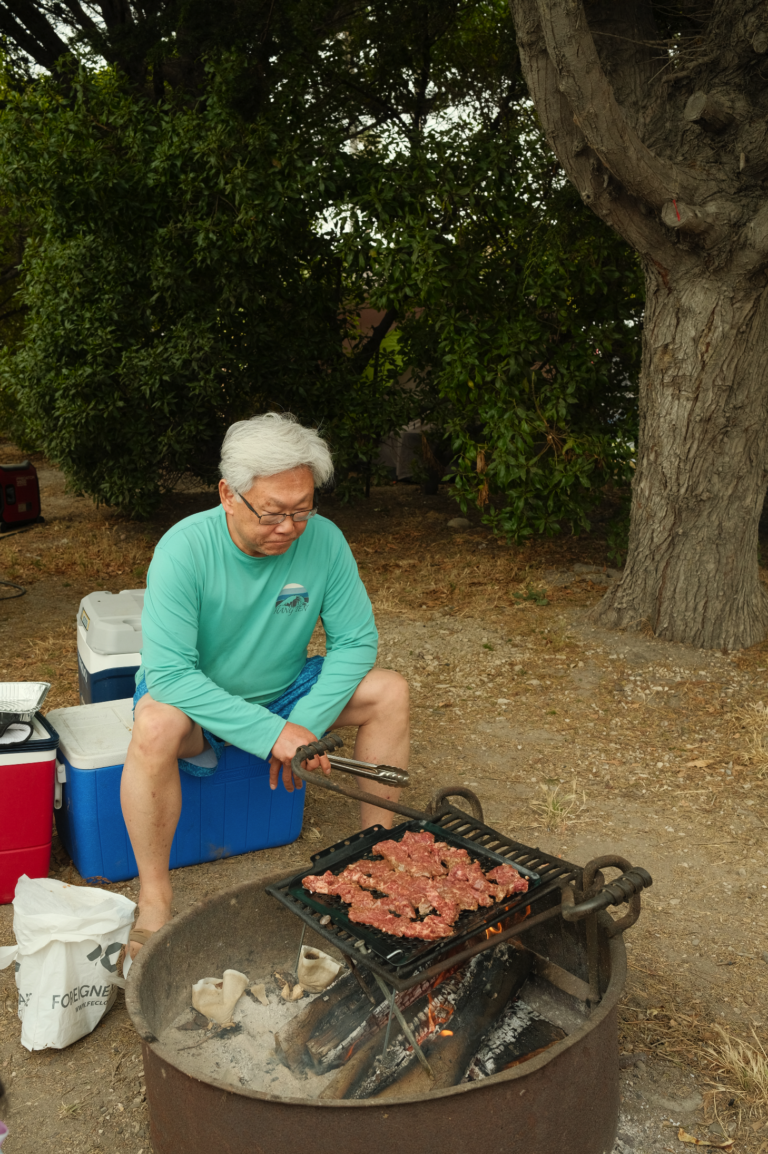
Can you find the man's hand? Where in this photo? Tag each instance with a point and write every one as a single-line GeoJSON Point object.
{"type": "Point", "coordinates": [291, 737]}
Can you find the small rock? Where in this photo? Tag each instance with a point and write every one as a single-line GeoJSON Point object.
{"type": "Point", "coordinates": [614, 573]}
{"type": "Point", "coordinates": [674, 1105]}
{"type": "Point", "coordinates": [459, 523]}
{"type": "Point", "coordinates": [717, 1130]}
{"type": "Point", "coordinates": [558, 579]}
{"type": "Point", "coordinates": [764, 956]}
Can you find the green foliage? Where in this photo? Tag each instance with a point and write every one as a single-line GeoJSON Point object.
{"type": "Point", "coordinates": [532, 594]}
{"type": "Point", "coordinates": [201, 247]}
{"type": "Point", "coordinates": [523, 316]}
{"type": "Point", "coordinates": [176, 281]}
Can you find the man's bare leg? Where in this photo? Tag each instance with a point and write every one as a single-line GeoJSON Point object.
{"type": "Point", "coordinates": [150, 793]}
{"type": "Point", "coordinates": [380, 708]}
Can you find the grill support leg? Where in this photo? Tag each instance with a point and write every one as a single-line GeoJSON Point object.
{"type": "Point", "coordinates": [403, 1026]}
{"type": "Point", "coordinates": [389, 1020]}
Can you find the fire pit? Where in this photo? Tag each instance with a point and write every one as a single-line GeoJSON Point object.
{"type": "Point", "coordinates": [531, 1066]}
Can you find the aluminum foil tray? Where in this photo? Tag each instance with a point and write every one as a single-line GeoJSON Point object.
{"type": "Point", "coordinates": [23, 698]}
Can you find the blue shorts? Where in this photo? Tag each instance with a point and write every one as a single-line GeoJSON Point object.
{"type": "Point", "coordinates": [282, 706]}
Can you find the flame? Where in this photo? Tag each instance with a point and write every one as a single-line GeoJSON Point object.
{"type": "Point", "coordinates": [446, 1033]}
{"type": "Point", "coordinates": [494, 930]}
{"type": "Point", "coordinates": [437, 1016]}
{"type": "Point", "coordinates": [431, 1022]}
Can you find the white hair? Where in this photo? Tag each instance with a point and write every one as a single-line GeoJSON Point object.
{"type": "Point", "coordinates": [272, 443]}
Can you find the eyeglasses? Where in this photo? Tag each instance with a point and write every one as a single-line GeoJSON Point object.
{"type": "Point", "coordinates": [278, 518]}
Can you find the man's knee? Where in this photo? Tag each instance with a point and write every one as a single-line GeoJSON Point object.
{"type": "Point", "coordinates": [159, 729]}
{"type": "Point", "coordinates": [392, 690]}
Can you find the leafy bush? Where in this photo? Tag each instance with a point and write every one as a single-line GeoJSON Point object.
{"type": "Point", "coordinates": [175, 281]}
{"type": "Point", "coordinates": [523, 323]}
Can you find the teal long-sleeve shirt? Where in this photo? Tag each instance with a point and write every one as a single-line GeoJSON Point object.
{"type": "Point", "coordinates": [224, 634]}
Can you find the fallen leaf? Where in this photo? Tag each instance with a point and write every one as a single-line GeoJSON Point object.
{"type": "Point", "coordinates": [683, 1137]}
{"type": "Point", "coordinates": [699, 763]}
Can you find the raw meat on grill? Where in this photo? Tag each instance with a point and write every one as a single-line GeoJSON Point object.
{"type": "Point", "coordinates": [509, 879]}
{"type": "Point", "coordinates": [412, 877]}
{"type": "Point", "coordinates": [353, 895]}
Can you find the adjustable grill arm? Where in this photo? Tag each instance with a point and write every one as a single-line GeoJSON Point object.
{"type": "Point", "coordinates": [622, 889]}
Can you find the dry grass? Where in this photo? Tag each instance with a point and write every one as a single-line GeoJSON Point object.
{"type": "Point", "coordinates": [740, 1069]}
{"type": "Point", "coordinates": [558, 809]}
{"type": "Point", "coordinates": [466, 574]}
{"type": "Point", "coordinates": [50, 658]}
{"type": "Point", "coordinates": [70, 1109]}
{"type": "Point", "coordinates": [752, 721]}
{"type": "Point", "coordinates": [77, 551]}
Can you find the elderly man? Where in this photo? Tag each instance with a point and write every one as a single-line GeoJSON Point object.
{"type": "Point", "coordinates": [233, 595]}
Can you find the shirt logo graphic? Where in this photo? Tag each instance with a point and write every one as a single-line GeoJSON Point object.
{"type": "Point", "coordinates": [292, 599]}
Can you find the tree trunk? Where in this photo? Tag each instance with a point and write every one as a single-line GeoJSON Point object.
{"type": "Point", "coordinates": [701, 478]}
{"type": "Point", "coordinates": [691, 200]}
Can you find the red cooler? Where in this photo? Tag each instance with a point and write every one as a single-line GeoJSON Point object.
{"type": "Point", "coordinates": [27, 783]}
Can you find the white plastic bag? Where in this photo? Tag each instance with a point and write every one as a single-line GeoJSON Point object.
{"type": "Point", "coordinates": [68, 938]}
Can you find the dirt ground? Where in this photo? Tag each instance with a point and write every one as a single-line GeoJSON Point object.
{"type": "Point", "coordinates": [581, 741]}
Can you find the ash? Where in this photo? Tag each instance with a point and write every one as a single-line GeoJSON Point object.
{"type": "Point", "coordinates": [242, 1057]}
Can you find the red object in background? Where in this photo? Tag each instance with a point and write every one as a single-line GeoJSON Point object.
{"type": "Point", "coordinates": [27, 783]}
{"type": "Point", "coordinates": [19, 495]}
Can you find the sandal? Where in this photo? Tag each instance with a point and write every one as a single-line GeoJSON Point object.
{"type": "Point", "coordinates": [141, 937]}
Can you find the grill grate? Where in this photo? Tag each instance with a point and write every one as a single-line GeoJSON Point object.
{"type": "Point", "coordinates": [400, 961]}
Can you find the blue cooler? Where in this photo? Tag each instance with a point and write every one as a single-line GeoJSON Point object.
{"type": "Point", "coordinates": [231, 812]}
{"type": "Point", "coordinates": [109, 644]}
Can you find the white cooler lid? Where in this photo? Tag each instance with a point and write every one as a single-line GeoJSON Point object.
{"type": "Point", "coordinates": [92, 736]}
{"type": "Point", "coordinates": [112, 621]}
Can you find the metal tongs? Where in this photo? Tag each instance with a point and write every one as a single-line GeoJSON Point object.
{"type": "Point", "coordinates": [387, 774]}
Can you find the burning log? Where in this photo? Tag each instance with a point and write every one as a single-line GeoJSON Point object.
{"type": "Point", "coordinates": [354, 1070]}
{"type": "Point", "coordinates": [343, 1007]}
{"type": "Point", "coordinates": [500, 974]}
{"type": "Point", "coordinates": [519, 1035]}
{"type": "Point", "coordinates": [435, 1005]}
{"type": "Point", "coordinates": [459, 1009]}
{"type": "Point", "coordinates": [328, 1059]}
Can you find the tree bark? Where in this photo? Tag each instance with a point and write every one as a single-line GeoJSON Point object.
{"type": "Point", "coordinates": [686, 200]}
{"type": "Point", "coordinates": [698, 491]}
